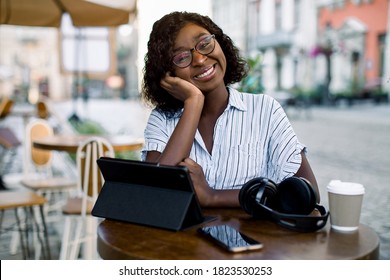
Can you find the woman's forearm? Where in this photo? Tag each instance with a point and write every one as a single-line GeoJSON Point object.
{"type": "Point", "coordinates": [182, 139]}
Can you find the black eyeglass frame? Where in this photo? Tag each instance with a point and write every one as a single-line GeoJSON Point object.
{"type": "Point", "coordinates": [212, 40]}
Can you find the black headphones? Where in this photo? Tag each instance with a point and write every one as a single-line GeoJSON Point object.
{"type": "Point", "coordinates": [288, 203]}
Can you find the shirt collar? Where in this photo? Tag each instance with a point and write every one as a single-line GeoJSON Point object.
{"type": "Point", "coordinates": [235, 99]}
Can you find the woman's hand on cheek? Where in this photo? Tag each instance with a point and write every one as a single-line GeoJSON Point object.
{"type": "Point", "coordinates": [179, 88]}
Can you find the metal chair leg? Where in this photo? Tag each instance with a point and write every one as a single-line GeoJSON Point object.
{"type": "Point", "coordinates": [45, 232]}
{"type": "Point", "coordinates": [25, 250]}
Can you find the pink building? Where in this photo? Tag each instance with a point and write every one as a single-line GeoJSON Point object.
{"type": "Point", "coordinates": [359, 33]}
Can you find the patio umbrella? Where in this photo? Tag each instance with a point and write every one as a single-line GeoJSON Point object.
{"type": "Point", "coordinates": [49, 12]}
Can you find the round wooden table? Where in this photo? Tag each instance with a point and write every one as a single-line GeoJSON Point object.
{"type": "Point", "coordinates": [69, 143]}
{"type": "Point", "coordinates": [119, 240]}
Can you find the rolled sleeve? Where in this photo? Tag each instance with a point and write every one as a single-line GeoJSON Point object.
{"type": "Point", "coordinates": [155, 134]}
{"type": "Point", "coordinates": [293, 163]}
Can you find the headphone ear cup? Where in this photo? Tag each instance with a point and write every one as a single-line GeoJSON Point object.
{"type": "Point", "coordinates": [255, 192]}
{"type": "Point", "coordinates": [295, 196]}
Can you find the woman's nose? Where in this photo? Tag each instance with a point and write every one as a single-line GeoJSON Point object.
{"type": "Point", "coordinates": [198, 58]}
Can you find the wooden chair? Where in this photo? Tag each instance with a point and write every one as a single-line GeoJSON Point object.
{"type": "Point", "coordinates": [6, 105]}
{"type": "Point", "coordinates": [80, 227]}
{"type": "Point", "coordinates": [38, 170]}
{"type": "Point", "coordinates": [17, 200]}
{"type": "Point", "coordinates": [42, 109]}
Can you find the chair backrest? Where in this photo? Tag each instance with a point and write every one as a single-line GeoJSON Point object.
{"type": "Point", "coordinates": [42, 109]}
{"type": "Point", "coordinates": [90, 179]}
{"type": "Point", "coordinates": [5, 107]}
{"type": "Point", "coordinates": [39, 158]}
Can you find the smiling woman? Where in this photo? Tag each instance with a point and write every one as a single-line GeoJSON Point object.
{"type": "Point", "coordinates": [224, 137]}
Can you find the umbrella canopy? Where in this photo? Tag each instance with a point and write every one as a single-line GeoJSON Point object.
{"type": "Point", "coordinates": [49, 12]}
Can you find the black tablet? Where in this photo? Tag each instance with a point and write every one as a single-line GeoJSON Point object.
{"type": "Point", "coordinates": [148, 194]}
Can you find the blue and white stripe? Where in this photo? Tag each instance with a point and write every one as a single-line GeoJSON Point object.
{"type": "Point", "coordinates": [253, 137]}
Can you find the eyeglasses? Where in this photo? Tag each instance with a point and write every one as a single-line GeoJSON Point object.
{"type": "Point", "coordinates": [204, 47]}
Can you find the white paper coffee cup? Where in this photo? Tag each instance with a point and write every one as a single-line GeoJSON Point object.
{"type": "Point", "coordinates": [345, 203]}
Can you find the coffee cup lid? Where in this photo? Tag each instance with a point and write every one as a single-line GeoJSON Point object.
{"type": "Point", "coordinates": [348, 188]}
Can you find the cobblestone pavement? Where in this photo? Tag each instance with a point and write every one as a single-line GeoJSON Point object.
{"type": "Point", "coordinates": [346, 143]}
{"type": "Point", "coordinates": [352, 144]}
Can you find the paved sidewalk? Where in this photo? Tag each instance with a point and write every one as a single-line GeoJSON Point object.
{"type": "Point", "coordinates": [352, 144]}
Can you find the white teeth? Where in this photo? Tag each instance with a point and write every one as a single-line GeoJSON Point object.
{"type": "Point", "coordinates": [208, 72]}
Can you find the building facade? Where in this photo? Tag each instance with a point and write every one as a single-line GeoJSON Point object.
{"type": "Point", "coordinates": [282, 32]}
{"type": "Point", "coordinates": [355, 31]}
{"type": "Point", "coordinates": [308, 45]}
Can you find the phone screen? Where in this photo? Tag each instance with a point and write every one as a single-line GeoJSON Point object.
{"type": "Point", "coordinates": [230, 238]}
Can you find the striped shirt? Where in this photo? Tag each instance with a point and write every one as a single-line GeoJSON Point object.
{"type": "Point", "coordinates": [253, 137]}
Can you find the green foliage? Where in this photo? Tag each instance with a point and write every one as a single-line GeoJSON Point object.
{"type": "Point", "coordinates": [87, 127]}
{"type": "Point", "coordinates": [252, 83]}
{"type": "Point", "coordinates": [311, 95]}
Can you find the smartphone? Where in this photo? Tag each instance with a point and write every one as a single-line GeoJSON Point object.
{"type": "Point", "coordinates": [230, 238]}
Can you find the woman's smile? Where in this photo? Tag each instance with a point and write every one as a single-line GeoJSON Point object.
{"type": "Point", "coordinates": [206, 74]}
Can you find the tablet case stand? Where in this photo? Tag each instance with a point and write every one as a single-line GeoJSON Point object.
{"type": "Point", "coordinates": [163, 207]}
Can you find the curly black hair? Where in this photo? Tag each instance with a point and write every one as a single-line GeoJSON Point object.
{"type": "Point", "coordinates": [158, 60]}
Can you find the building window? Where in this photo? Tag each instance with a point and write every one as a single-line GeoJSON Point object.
{"type": "Point", "coordinates": [79, 48]}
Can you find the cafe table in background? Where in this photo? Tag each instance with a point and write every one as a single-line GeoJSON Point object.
{"type": "Point", "coordinates": [69, 142]}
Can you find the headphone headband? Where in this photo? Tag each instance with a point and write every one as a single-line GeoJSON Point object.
{"type": "Point", "coordinates": [300, 223]}
{"type": "Point", "coordinates": [288, 204]}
